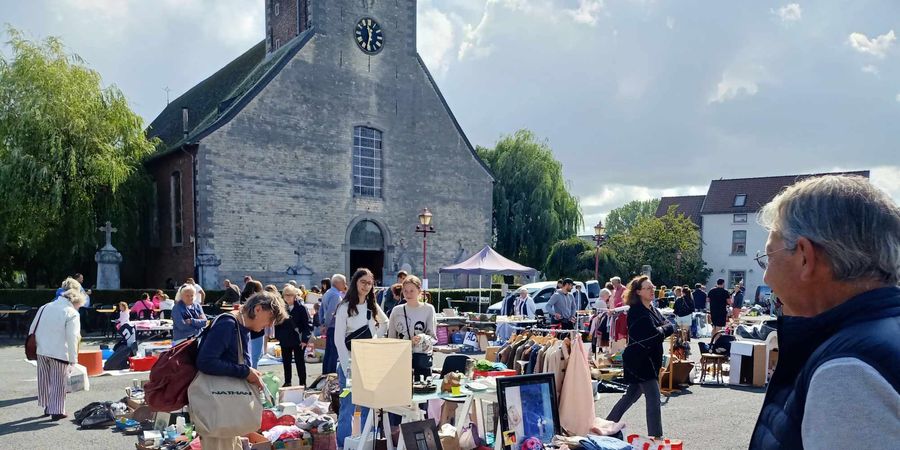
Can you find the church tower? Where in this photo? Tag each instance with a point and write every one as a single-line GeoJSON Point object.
{"type": "Point", "coordinates": [285, 20]}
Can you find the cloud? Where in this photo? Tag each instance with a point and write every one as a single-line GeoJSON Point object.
{"type": "Point", "coordinates": [737, 81]}
{"type": "Point", "coordinates": [597, 205]}
{"type": "Point", "coordinates": [436, 44]}
{"type": "Point", "coordinates": [670, 23]}
{"type": "Point", "coordinates": [877, 47]}
{"type": "Point", "coordinates": [870, 69]}
{"type": "Point", "coordinates": [789, 13]}
{"type": "Point", "coordinates": [474, 35]}
{"type": "Point", "coordinates": [898, 97]}
{"type": "Point", "coordinates": [587, 13]}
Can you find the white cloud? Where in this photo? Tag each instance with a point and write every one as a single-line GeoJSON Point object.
{"type": "Point", "coordinates": [789, 13]}
{"type": "Point", "coordinates": [738, 81]}
{"type": "Point", "coordinates": [474, 35]}
{"type": "Point", "coordinates": [435, 45]}
{"type": "Point", "coordinates": [670, 23]}
{"type": "Point", "coordinates": [877, 47]}
{"type": "Point", "coordinates": [870, 69]}
{"type": "Point", "coordinates": [598, 205]}
{"type": "Point", "coordinates": [587, 13]}
{"type": "Point", "coordinates": [898, 97]}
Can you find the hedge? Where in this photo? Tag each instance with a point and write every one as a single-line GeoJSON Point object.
{"type": "Point", "coordinates": [37, 297]}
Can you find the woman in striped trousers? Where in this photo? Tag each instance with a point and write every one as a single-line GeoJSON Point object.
{"type": "Point", "coordinates": [57, 329]}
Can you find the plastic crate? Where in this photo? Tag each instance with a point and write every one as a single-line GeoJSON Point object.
{"type": "Point", "coordinates": [494, 373]}
{"type": "Point", "coordinates": [142, 364]}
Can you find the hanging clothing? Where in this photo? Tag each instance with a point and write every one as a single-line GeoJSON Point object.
{"type": "Point", "coordinates": [576, 401]}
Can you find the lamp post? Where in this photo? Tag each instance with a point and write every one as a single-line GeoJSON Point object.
{"type": "Point", "coordinates": [425, 227]}
{"type": "Point", "coordinates": [678, 265]}
{"type": "Point", "coordinates": [600, 238]}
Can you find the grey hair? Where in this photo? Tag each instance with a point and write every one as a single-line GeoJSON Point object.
{"type": "Point", "coordinates": [338, 277]}
{"type": "Point", "coordinates": [615, 279]}
{"type": "Point", "coordinates": [184, 287]}
{"type": "Point", "coordinates": [268, 301]}
{"type": "Point", "coordinates": [607, 291]}
{"type": "Point", "coordinates": [856, 224]}
{"type": "Point", "coordinates": [70, 283]}
{"type": "Point", "coordinates": [74, 296]}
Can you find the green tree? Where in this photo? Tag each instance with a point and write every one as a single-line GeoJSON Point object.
{"type": "Point", "coordinates": [657, 241]}
{"type": "Point", "coordinates": [532, 205]}
{"type": "Point", "coordinates": [623, 218]}
{"type": "Point", "coordinates": [70, 159]}
{"type": "Point", "coordinates": [574, 258]}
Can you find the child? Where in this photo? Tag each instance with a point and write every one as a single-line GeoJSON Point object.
{"type": "Point", "coordinates": [123, 315]}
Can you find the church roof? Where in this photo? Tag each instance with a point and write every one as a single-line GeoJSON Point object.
{"type": "Point", "coordinates": [217, 99]}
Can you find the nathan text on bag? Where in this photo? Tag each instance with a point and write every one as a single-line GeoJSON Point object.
{"type": "Point", "coordinates": [170, 376]}
{"type": "Point", "coordinates": [225, 406]}
{"type": "Point", "coordinates": [31, 341]}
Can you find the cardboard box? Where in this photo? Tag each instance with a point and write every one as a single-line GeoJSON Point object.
{"type": "Point", "coordinates": [319, 343]}
{"type": "Point", "coordinates": [258, 442]}
{"type": "Point", "coordinates": [134, 404]}
{"type": "Point", "coordinates": [297, 444]}
{"type": "Point", "coordinates": [291, 394]}
{"type": "Point", "coordinates": [490, 353]}
{"type": "Point", "coordinates": [748, 363]}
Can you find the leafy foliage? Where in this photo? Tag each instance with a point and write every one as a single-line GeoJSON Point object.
{"type": "Point", "coordinates": [624, 218]}
{"type": "Point", "coordinates": [656, 241]}
{"type": "Point", "coordinates": [574, 258]}
{"type": "Point", "coordinates": [532, 205]}
{"type": "Point", "coordinates": [70, 159]}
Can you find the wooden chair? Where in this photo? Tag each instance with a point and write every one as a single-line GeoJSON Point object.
{"type": "Point", "coordinates": [715, 363]}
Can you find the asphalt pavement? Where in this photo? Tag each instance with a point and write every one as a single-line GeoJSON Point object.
{"type": "Point", "coordinates": [704, 417]}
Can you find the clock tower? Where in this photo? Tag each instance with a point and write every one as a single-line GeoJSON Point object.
{"type": "Point", "coordinates": [285, 20]}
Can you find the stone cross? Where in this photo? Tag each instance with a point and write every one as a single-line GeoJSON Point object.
{"type": "Point", "coordinates": [109, 230]}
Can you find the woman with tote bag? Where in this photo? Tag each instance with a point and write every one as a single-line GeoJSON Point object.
{"type": "Point", "coordinates": [415, 321]}
{"type": "Point", "coordinates": [358, 316]}
{"type": "Point", "coordinates": [223, 365]}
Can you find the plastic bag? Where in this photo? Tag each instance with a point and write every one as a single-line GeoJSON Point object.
{"type": "Point", "coordinates": [273, 383]}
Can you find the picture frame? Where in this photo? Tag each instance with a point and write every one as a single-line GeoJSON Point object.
{"type": "Point", "coordinates": [421, 435]}
{"type": "Point", "coordinates": [528, 409]}
{"type": "Point", "coordinates": [161, 420]}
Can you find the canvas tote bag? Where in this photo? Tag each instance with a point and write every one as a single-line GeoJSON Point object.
{"type": "Point", "coordinates": [224, 407]}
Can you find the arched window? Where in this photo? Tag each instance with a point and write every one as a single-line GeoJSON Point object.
{"type": "Point", "coordinates": [366, 162]}
{"type": "Point", "coordinates": [176, 207]}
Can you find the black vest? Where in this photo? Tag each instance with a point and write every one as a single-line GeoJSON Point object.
{"type": "Point", "coordinates": [865, 327]}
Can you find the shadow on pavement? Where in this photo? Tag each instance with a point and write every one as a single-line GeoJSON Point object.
{"type": "Point", "coordinates": [26, 425]}
{"type": "Point", "coordinates": [16, 401]}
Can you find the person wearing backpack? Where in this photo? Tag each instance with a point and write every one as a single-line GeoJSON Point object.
{"type": "Point", "coordinates": [684, 307]}
{"type": "Point", "coordinates": [217, 354]}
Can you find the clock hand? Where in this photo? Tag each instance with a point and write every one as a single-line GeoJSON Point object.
{"type": "Point", "coordinates": [369, 42]}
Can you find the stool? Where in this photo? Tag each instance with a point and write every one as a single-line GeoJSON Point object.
{"type": "Point", "coordinates": [715, 362]}
{"type": "Point", "coordinates": [92, 360]}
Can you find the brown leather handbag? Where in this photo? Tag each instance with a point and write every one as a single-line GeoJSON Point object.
{"type": "Point", "coordinates": [31, 341]}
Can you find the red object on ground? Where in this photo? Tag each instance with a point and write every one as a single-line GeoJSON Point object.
{"type": "Point", "coordinates": [92, 360]}
{"type": "Point", "coordinates": [269, 420]}
{"type": "Point", "coordinates": [142, 364]}
{"type": "Point", "coordinates": [494, 373]}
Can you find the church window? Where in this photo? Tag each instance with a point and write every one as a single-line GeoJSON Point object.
{"type": "Point", "coordinates": [366, 162]}
{"type": "Point", "coordinates": [277, 8]}
{"type": "Point", "coordinates": [177, 212]}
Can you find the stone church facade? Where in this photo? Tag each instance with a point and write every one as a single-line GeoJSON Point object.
{"type": "Point", "coordinates": [313, 153]}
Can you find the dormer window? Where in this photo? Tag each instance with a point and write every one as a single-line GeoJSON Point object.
{"type": "Point", "coordinates": [740, 200]}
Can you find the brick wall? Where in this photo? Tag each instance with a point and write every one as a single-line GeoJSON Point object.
{"type": "Point", "coordinates": [166, 260]}
{"type": "Point", "coordinates": [288, 23]}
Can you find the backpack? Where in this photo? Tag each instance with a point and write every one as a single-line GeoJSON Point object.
{"type": "Point", "coordinates": [172, 374]}
{"type": "Point", "coordinates": [95, 415]}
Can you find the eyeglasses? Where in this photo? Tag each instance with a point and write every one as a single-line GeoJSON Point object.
{"type": "Point", "coordinates": [763, 258]}
{"type": "Point", "coordinates": [366, 282]}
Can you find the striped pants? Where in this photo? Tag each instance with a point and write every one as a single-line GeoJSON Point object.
{"type": "Point", "coordinates": [51, 379]}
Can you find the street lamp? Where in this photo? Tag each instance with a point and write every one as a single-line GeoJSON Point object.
{"type": "Point", "coordinates": [600, 238]}
{"type": "Point", "coordinates": [424, 227]}
{"type": "Point", "coordinates": [677, 264]}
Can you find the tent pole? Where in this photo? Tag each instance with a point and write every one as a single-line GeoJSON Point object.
{"type": "Point", "coordinates": [439, 291]}
{"type": "Point", "coordinates": [479, 293]}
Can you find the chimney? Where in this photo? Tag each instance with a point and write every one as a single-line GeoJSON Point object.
{"type": "Point", "coordinates": [185, 114]}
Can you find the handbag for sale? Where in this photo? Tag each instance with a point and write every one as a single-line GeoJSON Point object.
{"type": "Point", "coordinates": [31, 340]}
{"type": "Point", "coordinates": [225, 406]}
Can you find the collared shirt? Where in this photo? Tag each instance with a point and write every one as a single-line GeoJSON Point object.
{"type": "Point", "coordinates": [330, 302]}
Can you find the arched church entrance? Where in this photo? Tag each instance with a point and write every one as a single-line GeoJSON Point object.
{"type": "Point", "coordinates": [367, 249]}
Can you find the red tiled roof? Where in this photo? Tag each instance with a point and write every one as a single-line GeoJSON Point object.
{"type": "Point", "coordinates": [759, 191]}
{"type": "Point", "coordinates": [689, 205]}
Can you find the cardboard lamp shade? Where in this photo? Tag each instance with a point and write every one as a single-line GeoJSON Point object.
{"type": "Point", "coordinates": [381, 371]}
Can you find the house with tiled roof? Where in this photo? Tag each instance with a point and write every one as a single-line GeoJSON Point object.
{"type": "Point", "coordinates": [729, 227]}
{"type": "Point", "coordinates": [313, 153]}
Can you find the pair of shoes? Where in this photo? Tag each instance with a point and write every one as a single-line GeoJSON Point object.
{"type": "Point", "coordinates": [286, 385]}
{"type": "Point", "coordinates": [57, 417]}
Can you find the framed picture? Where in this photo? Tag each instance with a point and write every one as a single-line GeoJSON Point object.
{"type": "Point", "coordinates": [161, 421]}
{"type": "Point", "coordinates": [421, 435]}
{"type": "Point", "coordinates": [528, 410]}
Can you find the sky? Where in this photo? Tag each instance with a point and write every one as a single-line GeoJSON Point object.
{"type": "Point", "coordinates": [637, 98]}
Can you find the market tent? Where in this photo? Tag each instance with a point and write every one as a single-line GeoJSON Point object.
{"type": "Point", "coordinates": [487, 262]}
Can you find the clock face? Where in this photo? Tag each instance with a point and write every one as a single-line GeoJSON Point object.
{"type": "Point", "coordinates": [369, 36]}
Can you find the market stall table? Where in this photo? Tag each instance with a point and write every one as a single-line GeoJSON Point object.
{"type": "Point", "coordinates": [14, 317]}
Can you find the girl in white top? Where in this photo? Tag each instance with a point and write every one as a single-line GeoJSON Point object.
{"type": "Point", "coordinates": [358, 309]}
{"type": "Point", "coordinates": [124, 314]}
{"type": "Point", "coordinates": [415, 321]}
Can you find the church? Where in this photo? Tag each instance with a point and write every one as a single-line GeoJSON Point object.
{"type": "Point", "coordinates": [314, 153]}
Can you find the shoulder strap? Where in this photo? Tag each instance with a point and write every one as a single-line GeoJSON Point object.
{"type": "Point", "coordinates": [406, 318]}
{"type": "Point", "coordinates": [240, 347]}
{"type": "Point", "coordinates": [40, 313]}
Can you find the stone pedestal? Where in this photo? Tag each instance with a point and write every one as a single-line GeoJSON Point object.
{"type": "Point", "coordinates": [108, 261]}
{"type": "Point", "coordinates": [208, 268]}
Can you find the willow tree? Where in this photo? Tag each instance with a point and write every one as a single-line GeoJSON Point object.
{"type": "Point", "coordinates": [70, 159]}
{"type": "Point", "coordinates": [532, 205]}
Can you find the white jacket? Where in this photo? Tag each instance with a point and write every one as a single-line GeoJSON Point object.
{"type": "Point", "coordinates": [59, 330]}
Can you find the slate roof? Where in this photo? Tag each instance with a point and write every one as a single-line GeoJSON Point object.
{"type": "Point", "coordinates": [689, 205]}
{"type": "Point", "coordinates": [759, 191]}
{"type": "Point", "coordinates": [217, 99]}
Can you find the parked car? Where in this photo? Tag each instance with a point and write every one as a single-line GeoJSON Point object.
{"type": "Point", "coordinates": [540, 292]}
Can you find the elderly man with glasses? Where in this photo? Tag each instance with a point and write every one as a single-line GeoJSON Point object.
{"type": "Point", "coordinates": [833, 257]}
